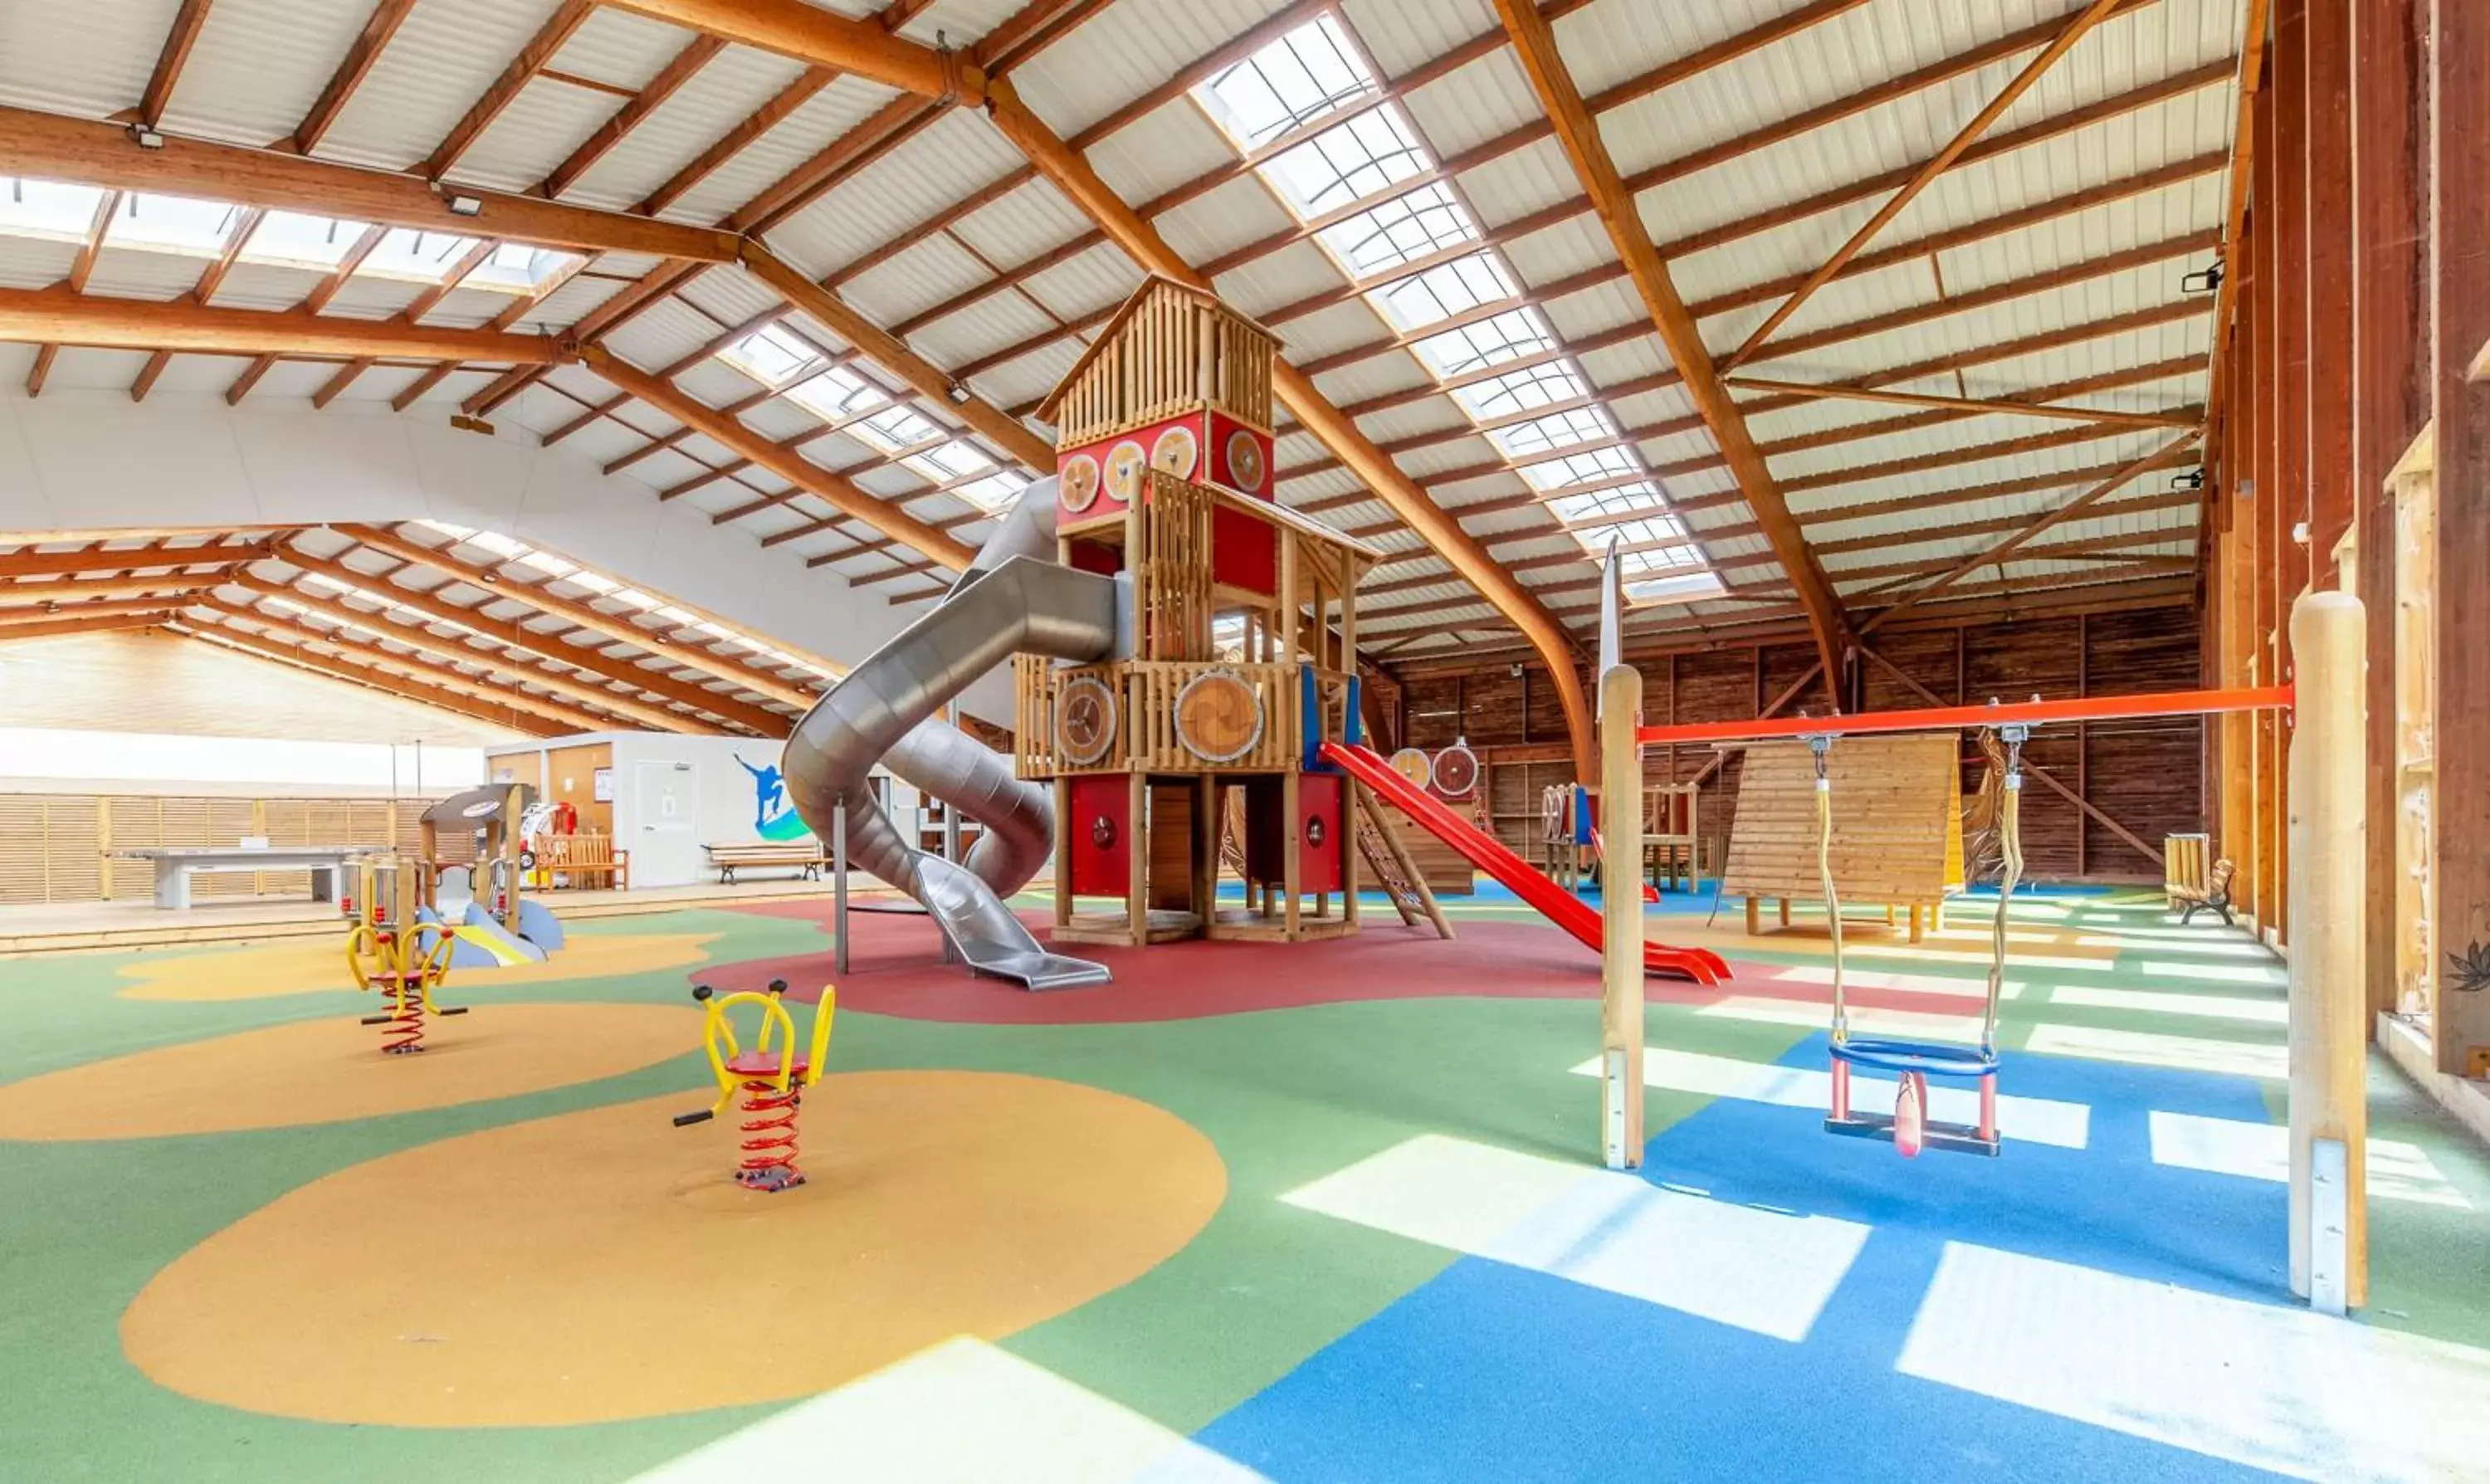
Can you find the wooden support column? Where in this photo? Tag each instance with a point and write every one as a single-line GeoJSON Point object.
{"type": "Point", "coordinates": [2329, 1244]}
{"type": "Point", "coordinates": [2290, 316]}
{"type": "Point", "coordinates": [2460, 274]}
{"type": "Point", "coordinates": [2389, 392]}
{"type": "Point", "coordinates": [2326, 304]}
{"type": "Point", "coordinates": [1621, 1122]}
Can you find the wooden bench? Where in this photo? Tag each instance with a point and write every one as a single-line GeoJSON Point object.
{"type": "Point", "coordinates": [799, 855]}
{"type": "Point", "coordinates": [2213, 896]}
{"type": "Point", "coordinates": [586, 860]}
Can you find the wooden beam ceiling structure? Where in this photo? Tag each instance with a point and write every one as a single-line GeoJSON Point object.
{"type": "Point", "coordinates": [85, 152]}
{"type": "Point", "coordinates": [1535, 40]}
{"type": "Point", "coordinates": [584, 615]}
{"type": "Point", "coordinates": [1935, 166]}
{"type": "Point", "coordinates": [515, 635]}
{"type": "Point", "coordinates": [52, 628]}
{"type": "Point", "coordinates": [518, 719]}
{"type": "Point", "coordinates": [586, 689]}
{"type": "Point", "coordinates": [50, 315]}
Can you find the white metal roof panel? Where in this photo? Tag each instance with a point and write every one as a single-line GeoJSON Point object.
{"type": "Point", "coordinates": [27, 262]}
{"type": "Point", "coordinates": [731, 87]}
{"type": "Point", "coordinates": [762, 163]}
{"type": "Point", "coordinates": [257, 67]}
{"type": "Point", "coordinates": [88, 60]}
{"type": "Point", "coordinates": [1124, 51]}
{"type": "Point", "coordinates": [442, 59]}
{"type": "Point", "coordinates": [539, 129]}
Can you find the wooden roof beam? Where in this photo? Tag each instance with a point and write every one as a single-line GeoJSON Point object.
{"type": "Point", "coordinates": [584, 615]}
{"type": "Point", "coordinates": [513, 634]}
{"type": "Point", "coordinates": [558, 29]}
{"type": "Point", "coordinates": [93, 608]}
{"type": "Point", "coordinates": [732, 434]}
{"type": "Point", "coordinates": [585, 689]}
{"type": "Point", "coordinates": [438, 675]}
{"type": "Point", "coordinates": [670, 79]}
{"type": "Point", "coordinates": [1936, 164]}
{"type": "Point", "coordinates": [179, 38]}
{"type": "Point", "coordinates": [17, 595]}
{"type": "Point", "coordinates": [352, 68]}
{"type": "Point", "coordinates": [46, 628]}
{"type": "Point", "coordinates": [93, 153]}
{"type": "Point", "coordinates": [131, 324]}
{"type": "Point", "coordinates": [826, 39]}
{"type": "Point", "coordinates": [1579, 133]}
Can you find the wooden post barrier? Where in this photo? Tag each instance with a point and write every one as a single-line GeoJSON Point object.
{"type": "Point", "coordinates": [2328, 850]}
{"type": "Point", "coordinates": [1621, 967]}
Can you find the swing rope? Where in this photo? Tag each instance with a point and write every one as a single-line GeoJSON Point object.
{"type": "Point", "coordinates": [1822, 748]}
{"type": "Point", "coordinates": [2010, 844]}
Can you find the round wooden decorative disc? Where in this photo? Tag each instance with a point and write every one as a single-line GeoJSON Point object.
{"type": "Point", "coordinates": [1124, 464]}
{"type": "Point", "coordinates": [1218, 717]}
{"type": "Point", "coordinates": [1456, 772]}
{"type": "Point", "coordinates": [1412, 765]}
{"type": "Point", "coordinates": [1085, 720]}
{"type": "Point", "coordinates": [1080, 483]}
{"type": "Point", "coordinates": [1176, 452]}
{"type": "Point", "coordinates": [1245, 461]}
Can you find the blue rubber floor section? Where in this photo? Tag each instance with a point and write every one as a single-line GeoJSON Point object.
{"type": "Point", "coordinates": [1496, 1374]}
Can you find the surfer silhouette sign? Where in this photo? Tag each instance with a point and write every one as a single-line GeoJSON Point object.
{"type": "Point", "coordinates": [774, 817]}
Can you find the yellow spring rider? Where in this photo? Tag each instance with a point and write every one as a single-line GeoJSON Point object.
{"type": "Point", "coordinates": [388, 949]}
{"type": "Point", "coordinates": [771, 1081]}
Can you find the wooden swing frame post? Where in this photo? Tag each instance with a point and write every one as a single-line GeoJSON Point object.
{"type": "Point", "coordinates": [1621, 965]}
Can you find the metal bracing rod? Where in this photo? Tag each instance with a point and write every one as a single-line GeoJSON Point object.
{"type": "Point", "coordinates": [1935, 718]}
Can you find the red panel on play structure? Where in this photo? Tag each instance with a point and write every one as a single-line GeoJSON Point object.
{"type": "Point", "coordinates": [1244, 552]}
{"type": "Point", "coordinates": [1240, 457]}
{"type": "Point", "coordinates": [1099, 835]}
{"type": "Point", "coordinates": [1101, 478]}
{"type": "Point", "coordinates": [1319, 809]}
{"type": "Point", "coordinates": [1098, 557]}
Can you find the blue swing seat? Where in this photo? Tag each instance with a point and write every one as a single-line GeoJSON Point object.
{"type": "Point", "coordinates": [1932, 1058]}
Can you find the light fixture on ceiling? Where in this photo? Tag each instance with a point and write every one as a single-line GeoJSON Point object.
{"type": "Point", "coordinates": [2194, 478]}
{"type": "Point", "coordinates": [956, 392]}
{"type": "Point", "coordinates": [145, 137]}
{"type": "Point", "coordinates": [466, 206]}
{"type": "Point", "coordinates": [2204, 281]}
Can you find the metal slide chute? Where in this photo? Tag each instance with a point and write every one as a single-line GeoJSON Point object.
{"type": "Point", "coordinates": [1013, 599]}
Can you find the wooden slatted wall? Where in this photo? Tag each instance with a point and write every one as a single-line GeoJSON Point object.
{"type": "Point", "coordinates": [52, 844]}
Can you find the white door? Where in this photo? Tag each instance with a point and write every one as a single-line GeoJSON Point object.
{"type": "Point", "coordinates": [664, 797]}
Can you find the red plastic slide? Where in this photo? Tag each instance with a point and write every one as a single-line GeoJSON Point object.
{"type": "Point", "coordinates": [1541, 895]}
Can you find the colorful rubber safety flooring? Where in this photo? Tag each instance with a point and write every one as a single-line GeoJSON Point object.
{"type": "Point", "coordinates": [1316, 1213]}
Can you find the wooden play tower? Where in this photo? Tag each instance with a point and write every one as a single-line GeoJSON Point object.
{"type": "Point", "coordinates": [1244, 638]}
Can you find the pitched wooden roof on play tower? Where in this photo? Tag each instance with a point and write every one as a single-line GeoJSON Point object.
{"type": "Point", "coordinates": [1118, 367]}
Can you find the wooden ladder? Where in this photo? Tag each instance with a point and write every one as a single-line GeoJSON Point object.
{"type": "Point", "coordinates": [1394, 871]}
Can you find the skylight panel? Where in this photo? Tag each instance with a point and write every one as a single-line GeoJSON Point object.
{"type": "Point", "coordinates": [835, 395]}
{"type": "Point", "coordinates": [1443, 291]}
{"type": "Point", "coordinates": [991, 494]}
{"type": "Point", "coordinates": [770, 356]}
{"type": "Point", "coordinates": [1305, 74]}
{"type": "Point", "coordinates": [1507, 336]}
{"type": "Point", "coordinates": [426, 257]}
{"type": "Point", "coordinates": [300, 240]}
{"type": "Point", "coordinates": [1426, 222]}
{"type": "Point", "coordinates": [175, 223]}
{"type": "Point", "coordinates": [953, 460]}
{"type": "Point", "coordinates": [1376, 150]}
{"type": "Point", "coordinates": [1556, 430]}
{"type": "Point", "coordinates": [1583, 468]}
{"type": "Point", "coordinates": [517, 267]}
{"type": "Point", "coordinates": [897, 428]}
{"type": "Point", "coordinates": [497, 543]}
{"type": "Point", "coordinates": [1515, 391]}
{"type": "Point", "coordinates": [1691, 587]}
{"type": "Point", "coordinates": [32, 208]}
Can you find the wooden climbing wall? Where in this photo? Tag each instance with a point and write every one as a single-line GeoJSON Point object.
{"type": "Point", "coordinates": [1896, 822]}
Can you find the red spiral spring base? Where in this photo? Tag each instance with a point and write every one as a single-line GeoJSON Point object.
{"type": "Point", "coordinates": [769, 1137]}
{"type": "Point", "coordinates": [402, 1034]}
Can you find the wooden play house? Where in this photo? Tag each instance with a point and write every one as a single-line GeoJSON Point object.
{"type": "Point", "coordinates": [1244, 624]}
{"type": "Point", "coordinates": [1896, 827]}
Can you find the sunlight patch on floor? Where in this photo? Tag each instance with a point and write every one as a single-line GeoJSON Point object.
{"type": "Point", "coordinates": [2269, 1387]}
{"type": "Point", "coordinates": [2398, 1170]}
{"type": "Point", "coordinates": [2272, 975]}
{"type": "Point", "coordinates": [1966, 956]}
{"type": "Point", "coordinates": [2145, 1048]}
{"type": "Point", "coordinates": [2034, 1120]}
{"type": "Point", "coordinates": [1898, 980]}
{"type": "Point", "coordinates": [963, 1411]}
{"type": "Point", "coordinates": [1864, 1020]}
{"type": "Point", "coordinates": [2261, 1012]}
{"type": "Point", "coordinates": [1767, 1271]}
